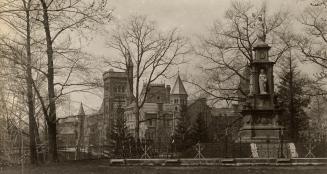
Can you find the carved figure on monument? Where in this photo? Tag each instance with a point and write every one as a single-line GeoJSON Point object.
{"type": "Point", "coordinates": [262, 82]}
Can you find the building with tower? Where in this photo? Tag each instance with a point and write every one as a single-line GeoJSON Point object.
{"type": "Point", "coordinates": [160, 113]}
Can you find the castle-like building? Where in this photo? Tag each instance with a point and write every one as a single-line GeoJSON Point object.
{"type": "Point", "coordinates": [158, 116]}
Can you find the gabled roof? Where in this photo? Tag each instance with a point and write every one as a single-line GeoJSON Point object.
{"type": "Point", "coordinates": [81, 110]}
{"type": "Point", "coordinates": [178, 87]}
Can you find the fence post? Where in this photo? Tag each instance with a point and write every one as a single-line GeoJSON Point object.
{"type": "Point", "coordinates": [240, 147]}
{"type": "Point", "coordinates": [226, 144]}
{"type": "Point", "coordinates": [268, 141]}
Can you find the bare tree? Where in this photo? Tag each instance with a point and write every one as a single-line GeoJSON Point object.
{"type": "Point", "coordinates": [57, 18]}
{"type": "Point", "coordinates": [13, 101]}
{"type": "Point", "coordinates": [29, 81]}
{"type": "Point", "coordinates": [313, 42]}
{"type": "Point", "coordinates": [17, 16]}
{"type": "Point", "coordinates": [8, 105]}
{"type": "Point", "coordinates": [228, 49]}
{"type": "Point", "coordinates": [138, 41]}
{"type": "Point", "coordinates": [60, 20]}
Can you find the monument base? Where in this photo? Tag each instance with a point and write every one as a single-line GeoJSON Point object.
{"type": "Point", "coordinates": [258, 133]}
{"type": "Point", "coordinates": [267, 142]}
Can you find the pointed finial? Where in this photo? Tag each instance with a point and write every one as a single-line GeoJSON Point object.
{"type": "Point", "coordinates": [178, 71]}
{"type": "Point", "coordinates": [81, 110]}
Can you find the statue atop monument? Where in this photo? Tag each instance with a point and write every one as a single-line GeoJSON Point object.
{"type": "Point", "coordinates": [261, 35]}
{"type": "Point", "coordinates": [262, 82]}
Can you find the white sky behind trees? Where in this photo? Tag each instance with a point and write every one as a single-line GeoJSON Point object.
{"type": "Point", "coordinates": [192, 18]}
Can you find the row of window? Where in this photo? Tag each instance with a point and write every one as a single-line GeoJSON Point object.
{"type": "Point", "coordinates": [153, 122]}
{"type": "Point", "coordinates": [119, 89]}
{"type": "Point", "coordinates": [177, 101]}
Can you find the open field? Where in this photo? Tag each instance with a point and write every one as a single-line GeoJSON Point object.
{"type": "Point", "coordinates": [103, 167]}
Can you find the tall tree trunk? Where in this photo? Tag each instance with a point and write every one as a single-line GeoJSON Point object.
{"type": "Point", "coordinates": [52, 140]}
{"type": "Point", "coordinates": [29, 80]}
{"type": "Point", "coordinates": [137, 123]}
{"type": "Point", "coordinates": [51, 121]}
{"type": "Point", "coordinates": [291, 104]}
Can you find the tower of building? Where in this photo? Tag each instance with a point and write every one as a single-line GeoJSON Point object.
{"type": "Point", "coordinates": [80, 127]}
{"type": "Point", "coordinates": [178, 94]}
{"type": "Point", "coordinates": [118, 92]}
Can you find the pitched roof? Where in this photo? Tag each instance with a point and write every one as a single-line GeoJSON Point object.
{"type": "Point", "coordinates": [178, 87]}
{"type": "Point", "coordinates": [81, 110]}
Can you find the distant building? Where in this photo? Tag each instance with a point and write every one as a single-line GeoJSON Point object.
{"type": "Point", "coordinates": [67, 131]}
{"type": "Point", "coordinates": [97, 126]}
{"type": "Point", "coordinates": [160, 113]}
{"type": "Point", "coordinates": [69, 128]}
{"type": "Point", "coordinates": [217, 120]}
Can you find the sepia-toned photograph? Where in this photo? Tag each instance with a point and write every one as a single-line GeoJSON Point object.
{"type": "Point", "coordinates": [163, 86]}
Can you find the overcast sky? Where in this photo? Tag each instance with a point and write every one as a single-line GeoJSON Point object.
{"type": "Point", "coordinates": [191, 17]}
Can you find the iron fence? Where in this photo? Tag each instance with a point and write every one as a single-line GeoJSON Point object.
{"type": "Point", "coordinates": [148, 149]}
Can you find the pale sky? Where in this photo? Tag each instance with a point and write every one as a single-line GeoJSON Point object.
{"type": "Point", "coordinates": [191, 17]}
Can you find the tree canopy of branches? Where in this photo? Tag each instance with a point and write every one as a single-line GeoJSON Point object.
{"type": "Point", "coordinates": [151, 51]}
{"type": "Point", "coordinates": [228, 49]}
{"type": "Point", "coordinates": [55, 26]}
{"type": "Point", "coordinates": [57, 18]}
{"type": "Point", "coordinates": [17, 16]}
{"type": "Point", "coordinates": [313, 41]}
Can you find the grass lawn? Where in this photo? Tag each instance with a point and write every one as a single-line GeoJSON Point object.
{"type": "Point", "coordinates": [102, 167]}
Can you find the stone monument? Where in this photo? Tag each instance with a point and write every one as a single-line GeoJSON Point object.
{"type": "Point", "coordinates": [260, 114]}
